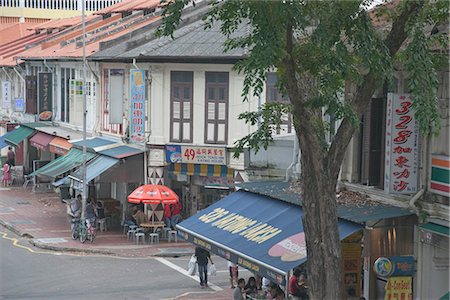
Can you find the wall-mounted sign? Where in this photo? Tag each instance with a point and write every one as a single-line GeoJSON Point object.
{"type": "Point", "coordinates": [137, 111]}
{"type": "Point", "coordinates": [402, 145]}
{"type": "Point", "coordinates": [6, 94]}
{"type": "Point", "coordinates": [196, 155]}
{"type": "Point", "coordinates": [440, 175]}
{"type": "Point", "coordinates": [399, 288]}
{"type": "Point", "coordinates": [45, 96]}
{"type": "Point", "coordinates": [395, 266]}
{"type": "Point", "coordinates": [19, 105]}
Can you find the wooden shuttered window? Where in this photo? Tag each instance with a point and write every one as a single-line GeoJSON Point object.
{"type": "Point", "coordinates": [181, 110]}
{"type": "Point", "coordinates": [273, 94]}
{"type": "Point", "coordinates": [216, 107]}
{"type": "Point", "coordinates": [373, 143]}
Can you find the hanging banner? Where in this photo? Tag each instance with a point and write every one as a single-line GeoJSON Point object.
{"type": "Point", "coordinates": [137, 111]}
{"type": "Point", "coordinates": [6, 94]}
{"type": "Point", "coordinates": [402, 145]}
{"type": "Point", "coordinates": [398, 288]}
{"type": "Point", "coordinates": [45, 96]}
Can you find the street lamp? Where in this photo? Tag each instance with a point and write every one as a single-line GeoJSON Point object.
{"type": "Point", "coordinates": [84, 195]}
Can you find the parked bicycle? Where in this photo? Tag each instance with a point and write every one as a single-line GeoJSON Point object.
{"type": "Point", "coordinates": [84, 230]}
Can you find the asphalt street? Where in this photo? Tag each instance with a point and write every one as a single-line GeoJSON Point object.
{"type": "Point", "coordinates": [31, 273]}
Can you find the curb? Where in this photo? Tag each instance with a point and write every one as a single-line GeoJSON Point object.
{"type": "Point", "coordinates": [15, 230]}
{"type": "Point", "coordinates": [83, 250]}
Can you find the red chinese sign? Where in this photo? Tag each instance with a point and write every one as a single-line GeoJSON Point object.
{"type": "Point", "coordinates": [402, 145]}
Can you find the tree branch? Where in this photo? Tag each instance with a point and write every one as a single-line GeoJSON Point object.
{"type": "Point", "coordinates": [364, 92]}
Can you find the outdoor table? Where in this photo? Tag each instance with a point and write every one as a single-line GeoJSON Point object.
{"type": "Point", "coordinates": [153, 226]}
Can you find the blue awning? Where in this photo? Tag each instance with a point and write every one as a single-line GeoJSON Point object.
{"type": "Point", "coordinates": [3, 143]}
{"type": "Point", "coordinates": [94, 168]}
{"type": "Point", "coordinates": [92, 143]}
{"type": "Point", "coordinates": [257, 232]}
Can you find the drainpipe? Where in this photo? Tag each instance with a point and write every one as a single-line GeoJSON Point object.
{"type": "Point", "coordinates": [295, 155]}
{"type": "Point", "coordinates": [3, 68]}
{"type": "Point", "coordinates": [416, 197]}
{"type": "Point", "coordinates": [48, 67]}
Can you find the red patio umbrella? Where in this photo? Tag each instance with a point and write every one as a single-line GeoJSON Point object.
{"type": "Point", "coordinates": [153, 194]}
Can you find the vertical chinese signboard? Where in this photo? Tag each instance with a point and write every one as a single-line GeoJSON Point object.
{"type": "Point", "coordinates": [45, 96]}
{"type": "Point", "coordinates": [31, 94]}
{"type": "Point", "coordinates": [137, 111]}
{"type": "Point", "coordinates": [402, 146]}
{"type": "Point", "coordinates": [6, 94]}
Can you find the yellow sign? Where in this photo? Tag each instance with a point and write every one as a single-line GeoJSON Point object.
{"type": "Point", "coordinates": [398, 288]}
{"type": "Point", "coordinates": [250, 229]}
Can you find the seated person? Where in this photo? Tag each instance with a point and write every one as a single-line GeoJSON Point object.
{"type": "Point", "coordinates": [297, 285]}
{"type": "Point", "coordinates": [139, 216]}
{"type": "Point", "coordinates": [251, 288]}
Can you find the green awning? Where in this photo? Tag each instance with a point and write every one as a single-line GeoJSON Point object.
{"type": "Point", "coordinates": [63, 164]}
{"type": "Point", "coordinates": [18, 135]}
{"type": "Point", "coordinates": [445, 297]}
{"type": "Point", "coordinates": [436, 228]}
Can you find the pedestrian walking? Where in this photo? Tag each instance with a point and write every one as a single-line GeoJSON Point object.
{"type": "Point", "coordinates": [6, 174]}
{"type": "Point", "coordinates": [11, 157]}
{"type": "Point", "coordinates": [234, 273]}
{"type": "Point", "coordinates": [202, 261]}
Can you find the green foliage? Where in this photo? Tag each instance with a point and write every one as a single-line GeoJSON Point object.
{"type": "Point", "coordinates": [268, 119]}
{"type": "Point", "coordinates": [333, 41]}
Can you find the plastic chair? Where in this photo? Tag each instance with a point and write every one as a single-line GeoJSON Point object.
{"type": "Point", "coordinates": [138, 236]}
{"type": "Point", "coordinates": [153, 238]}
{"type": "Point", "coordinates": [172, 235]}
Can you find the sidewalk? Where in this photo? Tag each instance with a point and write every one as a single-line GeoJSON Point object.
{"type": "Point", "coordinates": [42, 218]}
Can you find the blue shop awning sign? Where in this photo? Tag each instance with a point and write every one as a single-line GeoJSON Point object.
{"type": "Point", "coordinates": [259, 233]}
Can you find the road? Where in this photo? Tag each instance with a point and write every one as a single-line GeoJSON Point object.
{"type": "Point", "coordinates": [31, 273]}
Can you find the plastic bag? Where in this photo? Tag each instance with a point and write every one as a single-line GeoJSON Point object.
{"type": "Point", "coordinates": [212, 270]}
{"type": "Point", "coordinates": [192, 265]}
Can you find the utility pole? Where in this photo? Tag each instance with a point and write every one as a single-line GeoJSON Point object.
{"type": "Point", "coordinates": [84, 196]}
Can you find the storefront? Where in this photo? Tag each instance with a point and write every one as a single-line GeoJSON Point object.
{"type": "Point", "coordinates": [268, 241]}
{"type": "Point", "coordinates": [199, 175]}
{"type": "Point", "coordinates": [433, 260]}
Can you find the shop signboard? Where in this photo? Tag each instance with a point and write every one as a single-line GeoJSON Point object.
{"type": "Point", "coordinates": [45, 96]}
{"type": "Point", "coordinates": [137, 111]}
{"type": "Point", "coordinates": [351, 261]}
{"type": "Point", "coordinates": [395, 266]}
{"type": "Point", "coordinates": [440, 175]}
{"type": "Point", "coordinates": [196, 155]}
{"type": "Point", "coordinates": [402, 145]}
{"type": "Point", "coordinates": [6, 94]}
{"type": "Point", "coordinates": [19, 105]}
{"type": "Point", "coordinates": [398, 288]}
{"type": "Point", "coordinates": [237, 259]}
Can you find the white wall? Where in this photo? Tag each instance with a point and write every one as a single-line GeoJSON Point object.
{"type": "Point", "coordinates": [160, 102]}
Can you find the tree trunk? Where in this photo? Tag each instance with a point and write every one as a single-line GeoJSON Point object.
{"type": "Point", "coordinates": [321, 228]}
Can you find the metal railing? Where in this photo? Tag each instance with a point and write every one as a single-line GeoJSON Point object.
{"type": "Point", "coordinates": [91, 5]}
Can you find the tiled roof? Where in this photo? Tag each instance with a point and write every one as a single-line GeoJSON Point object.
{"type": "Point", "coordinates": [14, 31]}
{"type": "Point", "coordinates": [191, 42]}
{"type": "Point", "coordinates": [99, 30]}
{"type": "Point", "coordinates": [359, 213]}
{"type": "Point", "coordinates": [129, 5]}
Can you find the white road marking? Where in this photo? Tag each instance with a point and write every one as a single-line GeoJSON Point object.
{"type": "Point", "coordinates": [184, 272]}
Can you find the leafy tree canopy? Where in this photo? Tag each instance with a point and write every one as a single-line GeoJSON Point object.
{"type": "Point", "coordinates": [334, 42]}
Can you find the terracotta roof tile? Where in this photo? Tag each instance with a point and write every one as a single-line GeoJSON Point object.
{"type": "Point", "coordinates": [12, 32]}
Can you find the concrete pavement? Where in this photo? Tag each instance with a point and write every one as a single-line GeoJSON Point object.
{"type": "Point", "coordinates": [41, 219]}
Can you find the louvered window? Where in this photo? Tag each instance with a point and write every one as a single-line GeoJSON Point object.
{"type": "Point", "coordinates": [216, 108]}
{"type": "Point", "coordinates": [273, 94]}
{"type": "Point", "coordinates": [181, 96]}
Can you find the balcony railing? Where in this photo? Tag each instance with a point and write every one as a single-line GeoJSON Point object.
{"type": "Point", "coordinates": [91, 5]}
